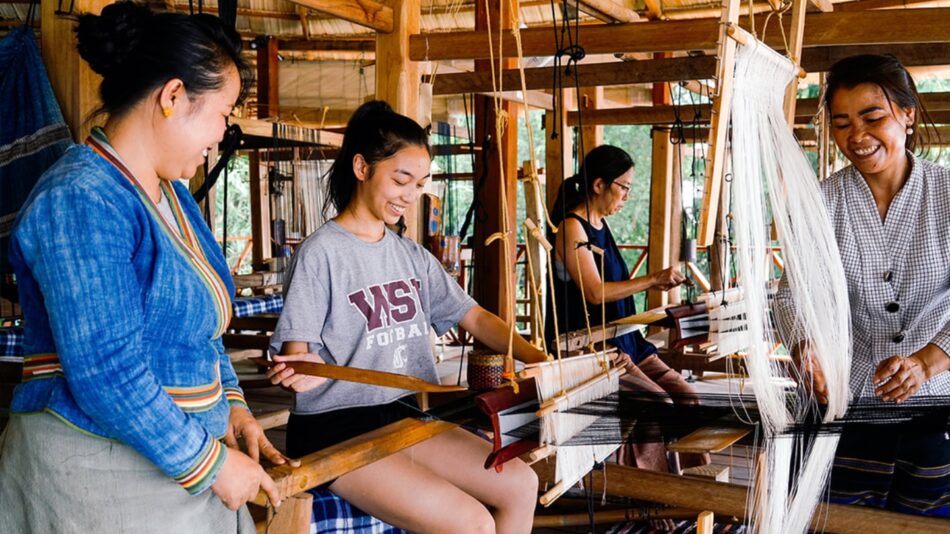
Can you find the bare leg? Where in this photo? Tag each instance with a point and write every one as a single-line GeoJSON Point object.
{"type": "Point", "coordinates": [440, 485]}
{"type": "Point", "coordinates": [410, 496]}
{"type": "Point", "coordinates": [510, 495]}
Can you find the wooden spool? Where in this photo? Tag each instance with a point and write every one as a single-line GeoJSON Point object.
{"type": "Point", "coordinates": [485, 370]}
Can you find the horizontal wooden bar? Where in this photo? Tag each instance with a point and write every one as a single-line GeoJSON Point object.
{"type": "Point", "coordinates": [938, 105]}
{"type": "Point", "coordinates": [342, 458]}
{"type": "Point", "coordinates": [821, 29]}
{"type": "Point", "coordinates": [589, 75]}
{"type": "Point", "coordinates": [676, 69]}
{"type": "Point", "coordinates": [731, 500]}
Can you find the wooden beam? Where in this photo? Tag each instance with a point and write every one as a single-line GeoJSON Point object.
{"type": "Point", "coordinates": [592, 135]}
{"type": "Point", "coordinates": [558, 153]}
{"type": "Point", "coordinates": [260, 213]}
{"type": "Point", "coordinates": [661, 213]}
{"type": "Point", "coordinates": [822, 29]}
{"type": "Point", "coordinates": [825, 6]}
{"type": "Point", "coordinates": [491, 266]}
{"type": "Point", "coordinates": [398, 79]}
{"type": "Point", "coordinates": [342, 458]}
{"type": "Point", "coordinates": [937, 103]}
{"type": "Point", "coordinates": [75, 85]}
{"type": "Point", "coordinates": [864, 5]}
{"type": "Point", "coordinates": [605, 10]}
{"type": "Point", "coordinates": [342, 44]}
{"type": "Point", "coordinates": [731, 499]}
{"type": "Point", "coordinates": [587, 75]}
{"type": "Point", "coordinates": [262, 128]}
{"type": "Point", "coordinates": [678, 69]}
{"type": "Point", "coordinates": [268, 86]}
{"type": "Point", "coordinates": [369, 13]}
{"type": "Point", "coordinates": [795, 55]}
{"type": "Point", "coordinates": [721, 112]}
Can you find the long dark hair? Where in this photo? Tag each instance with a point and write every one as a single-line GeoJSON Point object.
{"type": "Point", "coordinates": [889, 74]}
{"type": "Point", "coordinates": [137, 51]}
{"type": "Point", "coordinates": [606, 162]}
{"type": "Point", "coordinates": [375, 132]}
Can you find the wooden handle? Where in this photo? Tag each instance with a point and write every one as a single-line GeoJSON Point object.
{"type": "Point", "coordinates": [364, 376]}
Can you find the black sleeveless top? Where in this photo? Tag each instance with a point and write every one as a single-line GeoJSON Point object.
{"type": "Point", "coordinates": [571, 307]}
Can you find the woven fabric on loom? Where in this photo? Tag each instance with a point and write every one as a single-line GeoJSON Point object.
{"type": "Point", "coordinates": [248, 306]}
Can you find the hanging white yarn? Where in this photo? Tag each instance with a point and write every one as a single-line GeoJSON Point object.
{"type": "Point", "coordinates": [771, 175]}
{"type": "Point", "coordinates": [311, 175]}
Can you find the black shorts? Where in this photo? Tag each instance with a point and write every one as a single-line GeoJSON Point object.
{"type": "Point", "coordinates": [311, 433]}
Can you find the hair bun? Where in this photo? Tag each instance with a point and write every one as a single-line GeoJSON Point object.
{"type": "Point", "coordinates": [371, 109]}
{"type": "Point", "coordinates": [107, 41]}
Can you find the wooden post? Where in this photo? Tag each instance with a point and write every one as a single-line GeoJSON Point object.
{"type": "Point", "coordinates": [720, 122]}
{"type": "Point", "coordinates": [398, 78]}
{"type": "Point", "coordinates": [75, 85]}
{"type": "Point", "coordinates": [490, 266]}
{"type": "Point", "coordinates": [795, 54]}
{"type": "Point", "coordinates": [260, 213]}
{"type": "Point", "coordinates": [592, 135]}
{"type": "Point", "coordinates": [661, 212]}
{"type": "Point", "coordinates": [534, 211]}
{"type": "Point", "coordinates": [558, 154]}
{"type": "Point", "coordinates": [268, 96]}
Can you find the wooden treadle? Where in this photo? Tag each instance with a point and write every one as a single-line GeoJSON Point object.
{"type": "Point", "coordinates": [709, 439]}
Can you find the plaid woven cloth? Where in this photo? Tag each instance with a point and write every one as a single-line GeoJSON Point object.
{"type": "Point", "coordinates": [333, 515]}
{"type": "Point", "coordinates": [248, 306]}
{"type": "Point", "coordinates": [11, 345]}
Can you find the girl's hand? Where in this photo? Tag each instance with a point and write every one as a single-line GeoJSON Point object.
{"type": "Point", "coordinates": [285, 377]}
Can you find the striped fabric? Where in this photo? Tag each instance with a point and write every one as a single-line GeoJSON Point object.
{"type": "Point", "coordinates": [197, 398]}
{"type": "Point", "coordinates": [248, 306]}
{"type": "Point", "coordinates": [210, 461]}
{"type": "Point", "coordinates": [189, 399]}
{"type": "Point", "coordinates": [333, 515]}
{"type": "Point", "coordinates": [902, 469]}
{"type": "Point", "coordinates": [186, 242]}
{"type": "Point", "coordinates": [41, 366]}
{"type": "Point", "coordinates": [235, 397]}
{"type": "Point", "coordinates": [11, 345]}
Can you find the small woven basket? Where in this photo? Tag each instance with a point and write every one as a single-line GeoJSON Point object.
{"type": "Point", "coordinates": [485, 370]}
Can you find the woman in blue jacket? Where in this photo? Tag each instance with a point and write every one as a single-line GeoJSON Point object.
{"type": "Point", "coordinates": [129, 408]}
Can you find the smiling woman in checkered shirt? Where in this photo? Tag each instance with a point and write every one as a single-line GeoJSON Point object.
{"type": "Point", "coordinates": [891, 215]}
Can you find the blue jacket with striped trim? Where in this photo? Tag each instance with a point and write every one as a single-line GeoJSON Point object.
{"type": "Point", "coordinates": [123, 329]}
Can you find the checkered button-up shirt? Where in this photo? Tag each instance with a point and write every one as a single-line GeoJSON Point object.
{"type": "Point", "coordinates": [898, 270]}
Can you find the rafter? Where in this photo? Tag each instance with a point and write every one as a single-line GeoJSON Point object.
{"type": "Point", "coordinates": [822, 29]}
{"type": "Point", "coordinates": [605, 10]}
{"type": "Point", "coordinates": [367, 13]}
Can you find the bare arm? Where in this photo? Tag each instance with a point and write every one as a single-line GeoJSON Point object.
{"type": "Point", "coordinates": [583, 267]}
{"type": "Point", "coordinates": [492, 331]}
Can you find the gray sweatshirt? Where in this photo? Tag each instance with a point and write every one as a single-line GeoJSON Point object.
{"type": "Point", "coordinates": [369, 306]}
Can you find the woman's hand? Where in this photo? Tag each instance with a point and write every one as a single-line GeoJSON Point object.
{"type": "Point", "coordinates": [809, 370]}
{"type": "Point", "coordinates": [284, 376]}
{"type": "Point", "coordinates": [667, 279]}
{"type": "Point", "coordinates": [241, 424]}
{"type": "Point", "coordinates": [240, 479]}
{"type": "Point", "coordinates": [897, 378]}
{"type": "Point", "coordinates": [622, 359]}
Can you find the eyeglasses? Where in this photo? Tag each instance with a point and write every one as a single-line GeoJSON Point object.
{"type": "Point", "coordinates": [623, 188]}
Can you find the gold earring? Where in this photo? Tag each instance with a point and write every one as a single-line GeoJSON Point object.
{"type": "Point", "coordinates": [167, 112]}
